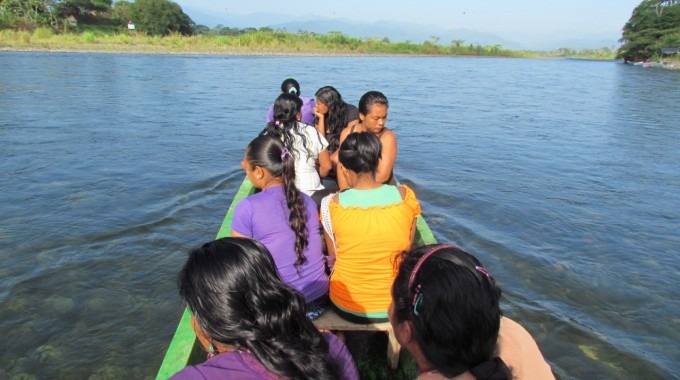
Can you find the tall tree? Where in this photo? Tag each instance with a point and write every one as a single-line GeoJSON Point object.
{"type": "Point", "coordinates": [26, 14]}
{"type": "Point", "coordinates": [76, 8]}
{"type": "Point", "coordinates": [654, 24]}
{"type": "Point", "coordinates": [161, 17]}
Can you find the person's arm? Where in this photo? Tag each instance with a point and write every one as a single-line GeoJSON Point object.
{"type": "Point", "coordinates": [321, 122]}
{"type": "Point", "coordinates": [352, 123]}
{"type": "Point", "coordinates": [325, 164]}
{"type": "Point", "coordinates": [236, 234]}
{"type": "Point", "coordinates": [412, 235]}
{"type": "Point", "coordinates": [241, 220]}
{"type": "Point", "coordinates": [339, 177]}
{"type": "Point", "coordinates": [388, 156]}
{"type": "Point", "coordinates": [330, 247]}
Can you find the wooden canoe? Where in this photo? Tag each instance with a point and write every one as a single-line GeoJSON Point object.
{"type": "Point", "coordinates": [184, 348]}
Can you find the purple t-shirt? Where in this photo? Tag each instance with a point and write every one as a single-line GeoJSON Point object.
{"type": "Point", "coordinates": [307, 111]}
{"type": "Point", "coordinates": [243, 365]}
{"type": "Point", "coordinates": [264, 217]}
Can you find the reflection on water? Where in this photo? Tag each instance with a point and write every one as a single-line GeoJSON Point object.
{"type": "Point", "coordinates": [561, 176]}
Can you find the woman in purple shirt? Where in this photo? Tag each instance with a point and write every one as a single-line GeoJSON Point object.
{"type": "Point", "coordinates": [285, 220]}
{"type": "Point", "coordinates": [253, 325]}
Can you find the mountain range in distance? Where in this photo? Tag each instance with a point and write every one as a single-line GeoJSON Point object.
{"type": "Point", "coordinates": [401, 31]}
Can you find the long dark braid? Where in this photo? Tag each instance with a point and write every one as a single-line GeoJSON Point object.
{"type": "Point", "coordinates": [298, 213]}
{"type": "Point", "coordinates": [269, 153]}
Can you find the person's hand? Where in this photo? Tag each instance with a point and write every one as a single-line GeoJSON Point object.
{"type": "Point", "coordinates": [318, 114]}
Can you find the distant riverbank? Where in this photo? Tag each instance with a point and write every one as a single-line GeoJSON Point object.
{"type": "Point", "coordinates": [259, 43]}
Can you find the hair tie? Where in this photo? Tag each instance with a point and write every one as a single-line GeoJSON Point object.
{"type": "Point", "coordinates": [417, 300]}
{"type": "Point", "coordinates": [292, 90]}
{"type": "Point", "coordinates": [277, 123]}
{"type": "Point", "coordinates": [417, 296]}
{"type": "Point", "coordinates": [284, 153]}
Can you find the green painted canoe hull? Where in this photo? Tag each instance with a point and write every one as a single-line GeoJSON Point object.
{"type": "Point", "coordinates": [184, 348]}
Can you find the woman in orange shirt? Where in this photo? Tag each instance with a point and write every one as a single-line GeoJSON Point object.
{"type": "Point", "coordinates": [366, 227]}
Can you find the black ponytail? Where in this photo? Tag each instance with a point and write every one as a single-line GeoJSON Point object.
{"type": "Point", "coordinates": [269, 153]}
{"type": "Point", "coordinates": [285, 123]}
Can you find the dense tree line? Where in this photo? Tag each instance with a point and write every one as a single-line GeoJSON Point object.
{"type": "Point", "coordinates": [654, 24]}
{"type": "Point", "coordinates": [153, 17]}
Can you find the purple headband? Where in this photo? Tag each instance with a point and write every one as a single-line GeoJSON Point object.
{"type": "Point", "coordinates": [417, 296]}
{"type": "Point", "coordinates": [423, 258]}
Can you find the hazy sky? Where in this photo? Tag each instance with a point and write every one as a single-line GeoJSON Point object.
{"type": "Point", "coordinates": [503, 17]}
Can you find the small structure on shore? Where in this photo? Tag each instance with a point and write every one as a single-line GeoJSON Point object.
{"type": "Point", "coordinates": [669, 50]}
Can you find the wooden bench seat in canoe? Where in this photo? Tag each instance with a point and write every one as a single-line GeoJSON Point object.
{"type": "Point", "coordinates": [331, 321]}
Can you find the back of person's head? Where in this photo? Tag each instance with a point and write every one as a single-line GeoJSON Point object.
{"type": "Point", "coordinates": [370, 99]}
{"type": "Point", "coordinates": [360, 152]}
{"type": "Point", "coordinates": [269, 153]}
{"type": "Point", "coordinates": [286, 108]}
{"type": "Point", "coordinates": [233, 289]}
{"type": "Point", "coordinates": [285, 124]}
{"type": "Point", "coordinates": [453, 305]}
{"type": "Point", "coordinates": [290, 86]}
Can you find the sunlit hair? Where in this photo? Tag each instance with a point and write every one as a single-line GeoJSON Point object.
{"type": "Point", "coordinates": [453, 304]}
{"type": "Point", "coordinates": [267, 152]}
{"type": "Point", "coordinates": [290, 86]}
{"type": "Point", "coordinates": [370, 99]}
{"type": "Point", "coordinates": [234, 291]}
{"type": "Point", "coordinates": [336, 118]}
{"type": "Point", "coordinates": [360, 152]}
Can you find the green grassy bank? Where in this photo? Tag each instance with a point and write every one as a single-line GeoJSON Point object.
{"type": "Point", "coordinates": [256, 43]}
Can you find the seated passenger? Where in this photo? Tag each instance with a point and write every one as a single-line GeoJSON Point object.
{"type": "Point", "coordinates": [333, 115]}
{"type": "Point", "coordinates": [373, 107]}
{"type": "Point", "coordinates": [285, 220]}
{"type": "Point", "coordinates": [252, 324]}
{"type": "Point", "coordinates": [445, 312]}
{"type": "Point", "coordinates": [291, 86]}
{"type": "Point", "coordinates": [366, 227]}
{"type": "Point", "coordinates": [312, 160]}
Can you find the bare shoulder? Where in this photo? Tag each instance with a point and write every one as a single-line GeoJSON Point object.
{"type": "Point", "coordinates": [387, 136]}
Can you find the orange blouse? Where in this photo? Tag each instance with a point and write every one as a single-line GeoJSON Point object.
{"type": "Point", "coordinates": [367, 242]}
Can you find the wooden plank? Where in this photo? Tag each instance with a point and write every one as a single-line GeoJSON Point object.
{"type": "Point", "coordinates": [331, 321]}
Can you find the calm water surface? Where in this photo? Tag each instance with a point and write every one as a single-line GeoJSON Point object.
{"type": "Point", "coordinates": [562, 176]}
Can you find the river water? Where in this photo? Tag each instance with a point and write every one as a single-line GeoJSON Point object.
{"type": "Point", "coordinates": [563, 176]}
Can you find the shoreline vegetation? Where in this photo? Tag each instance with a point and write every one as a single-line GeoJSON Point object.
{"type": "Point", "coordinates": [650, 38]}
{"type": "Point", "coordinates": [264, 43]}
